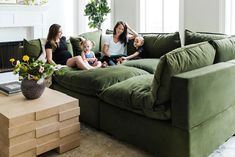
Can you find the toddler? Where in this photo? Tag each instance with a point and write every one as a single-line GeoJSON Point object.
{"type": "Point", "coordinates": [88, 55]}
{"type": "Point", "coordinates": [138, 44]}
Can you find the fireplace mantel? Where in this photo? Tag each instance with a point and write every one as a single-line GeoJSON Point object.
{"type": "Point", "coordinates": [22, 21]}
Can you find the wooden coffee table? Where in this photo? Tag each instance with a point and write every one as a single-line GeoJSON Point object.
{"type": "Point", "coordinates": [31, 127]}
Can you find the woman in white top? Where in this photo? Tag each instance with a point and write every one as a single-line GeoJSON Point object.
{"type": "Point", "coordinates": [114, 46]}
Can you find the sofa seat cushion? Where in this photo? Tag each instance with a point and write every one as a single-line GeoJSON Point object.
{"type": "Point", "coordinates": [178, 61]}
{"type": "Point", "coordinates": [148, 65]}
{"type": "Point", "coordinates": [134, 94]}
{"type": "Point", "coordinates": [92, 82]}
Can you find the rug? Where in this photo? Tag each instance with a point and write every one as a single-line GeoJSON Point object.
{"type": "Point", "coordinates": [98, 144]}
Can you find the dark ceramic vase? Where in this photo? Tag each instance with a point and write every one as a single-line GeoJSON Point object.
{"type": "Point", "coordinates": [31, 90]}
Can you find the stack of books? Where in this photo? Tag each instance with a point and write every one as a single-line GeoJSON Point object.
{"type": "Point", "coordinates": [10, 88]}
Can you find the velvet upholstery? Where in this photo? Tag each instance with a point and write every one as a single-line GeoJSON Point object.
{"type": "Point", "coordinates": [32, 48]}
{"type": "Point", "coordinates": [177, 61]}
{"type": "Point", "coordinates": [225, 50]}
{"type": "Point", "coordinates": [204, 93]}
{"type": "Point", "coordinates": [148, 64]}
{"type": "Point", "coordinates": [92, 82]}
{"type": "Point", "coordinates": [200, 98]}
{"type": "Point", "coordinates": [134, 94]}
{"type": "Point", "coordinates": [197, 37]}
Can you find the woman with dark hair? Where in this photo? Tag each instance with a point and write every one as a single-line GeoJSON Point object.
{"type": "Point", "coordinates": [114, 46]}
{"type": "Point", "coordinates": [57, 51]}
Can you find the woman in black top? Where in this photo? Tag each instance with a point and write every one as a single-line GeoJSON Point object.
{"type": "Point", "coordinates": [57, 51]}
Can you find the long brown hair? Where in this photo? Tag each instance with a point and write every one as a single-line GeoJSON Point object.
{"type": "Point", "coordinates": [123, 36]}
{"type": "Point", "coordinates": [51, 37]}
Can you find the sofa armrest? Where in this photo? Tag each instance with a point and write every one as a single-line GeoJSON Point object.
{"type": "Point", "coordinates": [201, 94]}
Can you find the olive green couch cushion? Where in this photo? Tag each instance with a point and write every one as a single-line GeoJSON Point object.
{"type": "Point", "coordinates": [178, 61]}
{"type": "Point", "coordinates": [148, 64]}
{"type": "Point", "coordinates": [93, 36]}
{"type": "Point", "coordinates": [197, 37]}
{"type": "Point", "coordinates": [92, 82]}
{"type": "Point", "coordinates": [32, 48]}
{"type": "Point", "coordinates": [134, 94]}
{"type": "Point", "coordinates": [156, 45]}
{"type": "Point", "coordinates": [69, 46]}
{"type": "Point", "coordinates": [225, 49]}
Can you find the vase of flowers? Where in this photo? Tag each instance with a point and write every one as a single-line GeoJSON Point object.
{"type": "Point", "coordinates": [31, 89]}
{"type": "Point", "coordinates": [33, 75]}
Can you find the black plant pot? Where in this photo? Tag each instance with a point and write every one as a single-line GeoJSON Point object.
{"type": "Point", "coordinates": [31, 90]}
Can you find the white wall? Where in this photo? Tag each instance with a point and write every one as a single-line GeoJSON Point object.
{"type": "Point", "coordinates": [202, 15]}
{"type": "Point", "coordinates": [21, 21]}
{"type": "Point", "coordinates": [197, 15]}
{"type": "Point", "coordinates": [64, 13]}
{"type": "Point", "coordinates": [126, 10]}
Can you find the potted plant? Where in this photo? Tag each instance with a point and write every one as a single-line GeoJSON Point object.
{"type": "Point", "coordinates": [96, 10]}
{"type": "Point", "coordinates": [33, 75]}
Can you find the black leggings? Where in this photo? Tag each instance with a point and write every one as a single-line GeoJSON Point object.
{"type": "Point", "coordinates": [112, 60]}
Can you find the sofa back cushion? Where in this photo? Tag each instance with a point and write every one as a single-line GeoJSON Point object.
{"type": "Point", "coordinates": [32, 48]}
{"type": "Point", "coordinates": [69, 46]}
{"type": "Point", "coordinates": [157, 44]}
{"type": "Point", "coordinates": [93, 36]}
{"type": "Point", "coordinates": [178, 61]}
{"type": "Point", "coordinates": [225, 49]}
{"type": "Point", "coordinates": [197, 37]}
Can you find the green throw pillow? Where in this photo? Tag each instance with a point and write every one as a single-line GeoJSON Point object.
{"type": "Point", "coordinates": [225, 49]}
{"type": "Point", "coordinates": [32, 48]}
{"type": "Point", "coordinates": [75, 41]}
{"type": "Point", "coordinates": [178, 61]}
{"type": "Point", "coordinates": [197, 37]}
{"type": "Point", "coordinates": [93, 36]}
{"type": "Point", "coordinates": [69, 46]}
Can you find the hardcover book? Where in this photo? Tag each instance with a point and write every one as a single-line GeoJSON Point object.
{"type": "Point", "coordinates": [10, 87]}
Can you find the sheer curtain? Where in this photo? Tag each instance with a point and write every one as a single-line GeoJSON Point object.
{"type": "Point", "coordinates": [230, 16]}
{"type": "Point", "coordinates": [159, 15]}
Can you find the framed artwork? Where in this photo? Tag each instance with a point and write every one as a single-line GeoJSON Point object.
{"type": "Point", "coordinates": [8, 1]}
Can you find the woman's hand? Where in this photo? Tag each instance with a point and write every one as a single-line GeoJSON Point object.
{"type": "Point", "coordinates": [134, 33]}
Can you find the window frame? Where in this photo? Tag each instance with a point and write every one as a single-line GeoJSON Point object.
{"type": "Point", "coordinates": [142, 14]}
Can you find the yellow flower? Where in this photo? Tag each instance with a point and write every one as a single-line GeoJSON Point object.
{"type": "Point", "coordinates": [12, 60]}
{"type": "Point", "coordinates": [25, 58]}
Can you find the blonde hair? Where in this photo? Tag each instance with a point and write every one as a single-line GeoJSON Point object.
{"type": "Point", "coordinates": [86, 41]}
{"type": "Point", "coordinates": [141, 39]}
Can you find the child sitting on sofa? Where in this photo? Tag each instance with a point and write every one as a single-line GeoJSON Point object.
{"type": "Point", "coordinates": [138, 44]}
{"type": "Point", "coordinates": [88, 55]}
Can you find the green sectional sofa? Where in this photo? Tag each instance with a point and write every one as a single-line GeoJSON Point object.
{"type": "Point", "coordinates": [175, 102]}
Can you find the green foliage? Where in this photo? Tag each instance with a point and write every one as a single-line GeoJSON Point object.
{"type": "Point", "coordinates": [96, 10]}
{"type": "Point", "coordinates": [33, 70]}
